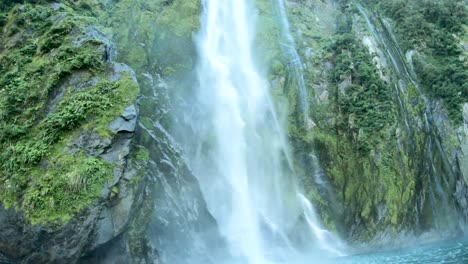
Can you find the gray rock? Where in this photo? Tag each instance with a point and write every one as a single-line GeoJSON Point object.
{"type": "Point", "coordinates": [118, 69]}
{"type": "Point", "coordinates": [91, 33]}
{"type": "Point", "coordinates": [74, 82]}
{"type": "Point", "coordinates": [119, 149]}
{"type": "Point", "coordinates": [126, 122]}
{"type": "Point", "coordinates": [120, 124]}
{"type": "Point", "coordinates": [105, 228]}
{"type": "Point", "coordinates": [463, 140]}
{"type": "Point", "coordinates": [101, 222]}
{"type": "Point", "coordinates": [345, 84]}
{"type": "Point", "coordinates": [465, 113]}
{"type": "Point", "coordinates": [57, 6]}
{"type": "Point", "coordinates": [129, 113]}
{"type": "Point", "coordinates": [89, 142]}
{"type": "Point", "coordinates": [114, 219]}
{"type": "Point", "coordinates": [181, 216]}
{"type": "Point", "coordinates": [461, 195]}
{"type": "Point", "coordinates": [43, 244]}
{"type": "Point", "coordinates": [121, 213]}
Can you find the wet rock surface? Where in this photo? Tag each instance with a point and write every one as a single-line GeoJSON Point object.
{"type": "Point", "coordinates": [104, 219]}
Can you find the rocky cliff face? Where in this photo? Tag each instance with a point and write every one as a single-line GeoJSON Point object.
{"type": "Point", "coordinates": [461, 193]}
{"type": "Point", "coordinates": [69, 115]}
{"type": "Point", "coordinates": [82, 179]}
{"type": "Point", "coordinates": [93, 166]}
{"type": "Point", "coordinates": [389, 143]}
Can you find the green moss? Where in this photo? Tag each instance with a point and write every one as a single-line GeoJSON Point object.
{"type": "Point", "coordinates": [28, 77]}
{"type": "Point", "coordinates": [370, 174]}
{"type": "Point", "coordinates": [185, 12]}
{"type": "Point", "coordinates": [138, 227]}
{"type": "Point", "coordinates": [412, 91]}
{"type": "Point", "coordinates": [140, 157]}
{"type": "Point", "coordinates": [3, 20]}
{"type": "Point", "coordinates": [147, 122]}
{"type": "Point", "coordinates": [123, 93]}
{"type": "Point", "coordinates": [93, 108]}
{"type": "Point", "coordinates": [138, 242]}
{"type": "Point", "coordinates": [134, 24]}
{"type": "Point", "coordinates": [114, 192]}
{"type": "Point", "coordinates": [142, 154]}
{"type": "Point", "coordinates": [66, 186]}
{"type": "Point", "coordinates": [36, 175]}
{"type": "Point", "coordinates": [435, 29]}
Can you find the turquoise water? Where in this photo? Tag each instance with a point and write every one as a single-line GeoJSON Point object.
{"type": "Point", "coordinates": [455, 251]}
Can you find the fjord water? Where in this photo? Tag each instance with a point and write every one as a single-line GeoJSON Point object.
{"type": "Point", "coordinates": [452, 251]}
{"type": "Point", "coordinates": [242, 161]}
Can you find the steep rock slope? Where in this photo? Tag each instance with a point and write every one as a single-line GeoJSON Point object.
{"type": "Point", "coordinates": [391, 148]}
{"type": "Point", "coordinates": [93, 166]}
{"type": "Point", "coordinates": [81, 177]}
{"type": "Point", "coordinates": [68, 117]}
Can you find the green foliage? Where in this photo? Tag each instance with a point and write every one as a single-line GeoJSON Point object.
{"type": "Point", "coordinates": [3, 20]}
{"type": "Point", "coordinates": [70, 183]}
{"type": "Point", "coordinates": [185, 12]}
{"type": "Point", "coordinates": [365, 104]}
{"type": "Point", "coordinates": [29, 73]}
{"type": "Point", "coordinates": [435, 29]}
{"type": "Point", "coordinates": [375, 167]}
{"type": "Point", "coordinates": [142, 154]}
{"type": "Point", "coordinates": [447, 81]}
{"type": "Point", "coordinates": [6, 4]}
{"type": "Point", "coordinates": [41, 112]}
{"type": "Point", "coordinates": [93, 108]}
{"type": "Point", "coordinates": [170, 50]}
{"type": "Point", "coordinates": [356, 144]}
{"type": "Point", "coordinates": [137, 235]}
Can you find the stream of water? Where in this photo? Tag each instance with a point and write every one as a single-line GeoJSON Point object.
{"type": "Point", "coordinates": [295, 65]}
{"type": "Point", "coordinates": [242, 158]}
{"type": "Point", "coordinates": [243, 162]}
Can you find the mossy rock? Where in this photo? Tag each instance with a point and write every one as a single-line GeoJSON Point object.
{"type": "Point", "coordinates": [45, 103]}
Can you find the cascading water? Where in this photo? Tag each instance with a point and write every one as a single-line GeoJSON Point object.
{"type": "Point", "coordinates": [328, 241]}
{"type": "Point", "coordinates": [295, 66]}
{"type": "Point", "coordinates": [242, 159]}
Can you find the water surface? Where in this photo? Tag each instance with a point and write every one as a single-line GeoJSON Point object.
{"type": "Point", "coordinates": [455, 251]}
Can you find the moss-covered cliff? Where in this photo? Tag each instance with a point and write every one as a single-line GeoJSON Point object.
{"type": "Point", "coordinates": [384, 150]}
{"type": "Point", "coordinates": [388, 142]}
{"type": "Point", "coordinates": [57, 81]}
{"type": "Point", "coordinates": [80, 175]}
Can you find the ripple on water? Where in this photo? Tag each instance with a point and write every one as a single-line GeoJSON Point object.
{"type": "Point", "coordinates": [441, 252]}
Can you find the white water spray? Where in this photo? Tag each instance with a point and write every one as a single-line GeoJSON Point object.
{"type": "Point", "coordinates": [296, 67]}
{"type": "Point", "coordinates": [328, 241]}
{"type": "Point", "coordinates": [242, 160]}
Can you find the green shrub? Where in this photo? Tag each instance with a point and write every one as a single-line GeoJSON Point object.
{"type": "Point", "coordinates": [35, 174]}
{"type": "Point", "coordinates": [431, 27]}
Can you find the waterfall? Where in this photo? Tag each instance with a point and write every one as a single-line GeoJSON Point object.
{"type": "Point", "coordinates": [242, 159]}
{"type": "Point", "coordinates": [295, 65]}
{"type": "Point", "coordinates": [328, 241]}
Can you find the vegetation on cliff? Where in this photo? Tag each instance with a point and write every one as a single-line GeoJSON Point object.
{"type": "Point", "coordinates": [46, 45]}
{"type": "Point", "coordinates": [54, 84]}
{"type": "Point", "coordinates": [380, 173]}
{"type": "Point", "coordinates": [435, 29]}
